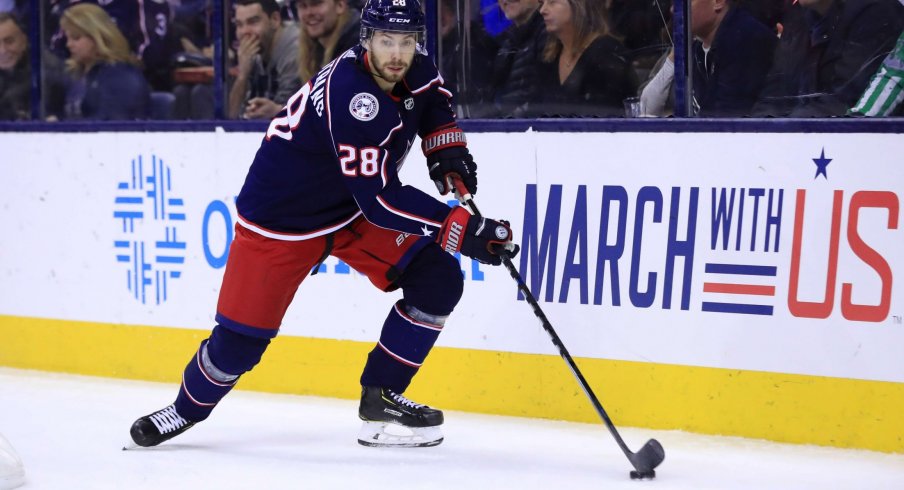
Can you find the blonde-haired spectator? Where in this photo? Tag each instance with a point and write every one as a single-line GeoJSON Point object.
{"type": "Point", "coordinates": [328, 28]}
{"type": "Point", "coordinates": [107, 82]}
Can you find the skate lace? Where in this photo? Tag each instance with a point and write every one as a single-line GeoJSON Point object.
{"type": "Point", "coordinates": [168, 420]}
{"type": "Point", "coordinates": [401, 400]}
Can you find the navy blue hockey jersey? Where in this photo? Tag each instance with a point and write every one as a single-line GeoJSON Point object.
{"type": "Point", "coordinates": [335, 150]}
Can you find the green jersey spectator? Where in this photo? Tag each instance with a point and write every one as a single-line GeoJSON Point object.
{"type": "Point", "coordinates": [886, 89]}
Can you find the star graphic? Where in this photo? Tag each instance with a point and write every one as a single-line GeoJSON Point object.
{"type": "Point", "coordinates": [426, 231]}
{"type": "Point", "coordinates": [821, 163]}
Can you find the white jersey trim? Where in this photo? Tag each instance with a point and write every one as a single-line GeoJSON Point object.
{"type": "Point", "coordinates": [329, 113]}
{"type": "Point", "coordinates": [398, 357]}
{"type": "Point", "coordinates": [383, 167]}
{"type": "Point", "coordinates": [291, 237]}
{"type": "Point", "coordinates": [391, 131]}
{"type": "Point", "coordinates": [438, 79]}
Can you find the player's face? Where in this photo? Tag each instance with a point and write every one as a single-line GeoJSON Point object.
{"type": "Point", "coordinates": [320, 17]}
{"type": "Point", "coordinates": [81, 47]}
{"type": "Point", "coordinates": [391, 54]}
{"type": "Point", "coordinates": [12, 45]}
{"type": "Point", "coordinates": [557, 16]}
{"type": "Point", "coordinates": [518, 11]}
{"type": "Point", "coordinates": [252, 22]}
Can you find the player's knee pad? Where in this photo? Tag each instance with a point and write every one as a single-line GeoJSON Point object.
{"type": "Point", "coordinates": [234, 353]}
{"type": "Point", "coordinates": [432, 282]}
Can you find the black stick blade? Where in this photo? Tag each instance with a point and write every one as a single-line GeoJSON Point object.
{"type": "Point", "coordinates": [649, 456]}
{"type": "Point", "coordinates": [636, 475]}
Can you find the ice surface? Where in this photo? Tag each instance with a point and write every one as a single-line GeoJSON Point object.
{"type": "Point", "coordinates": [70, 430]}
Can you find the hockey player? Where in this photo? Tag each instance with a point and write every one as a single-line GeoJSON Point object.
{"type": "Point", "coordinates": [325, 182]}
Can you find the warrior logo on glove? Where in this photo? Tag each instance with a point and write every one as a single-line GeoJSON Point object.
{"type": "Point", "coordinates": [484, 240]}
{"type": "Point", "coordinates": [448, 158]}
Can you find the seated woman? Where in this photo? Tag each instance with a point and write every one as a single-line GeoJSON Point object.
{"type": "Point", "coordinates": [587, 72]}
{"type": "Point", "coordinates": [107, 82]}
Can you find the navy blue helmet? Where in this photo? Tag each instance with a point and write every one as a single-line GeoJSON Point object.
{"type": "Point", "coordinates": [395, 16]}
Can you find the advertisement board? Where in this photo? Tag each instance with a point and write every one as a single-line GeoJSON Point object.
{"type": "Point", "coordinates": [772, 253]}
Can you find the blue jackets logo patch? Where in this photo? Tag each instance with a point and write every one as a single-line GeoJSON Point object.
{"type": "Point", "coordinates": [364, 107]}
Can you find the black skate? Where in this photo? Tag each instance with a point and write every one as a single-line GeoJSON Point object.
{"type": "Point", "coordinates": [159, 426]}
{"type": "Point", "coordinates": [391, 420]}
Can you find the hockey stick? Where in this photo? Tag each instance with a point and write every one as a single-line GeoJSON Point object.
{"type": "Point", "coordinates": [652, 453]}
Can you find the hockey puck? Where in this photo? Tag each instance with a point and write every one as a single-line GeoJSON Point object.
{"type": "Point", "coordinates": [643, 475]}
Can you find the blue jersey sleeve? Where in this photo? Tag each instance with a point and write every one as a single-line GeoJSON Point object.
{"type": "Point", "coordinates": [429, 86]}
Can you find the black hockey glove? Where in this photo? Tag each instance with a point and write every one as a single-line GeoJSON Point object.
{"type": "Point", "coordinates": [448, 157]}
{"type": "Point", "coordinates": [484, 240]}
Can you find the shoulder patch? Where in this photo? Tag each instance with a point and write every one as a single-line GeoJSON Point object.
{"type": "Point", "coordinates": [364, 107]}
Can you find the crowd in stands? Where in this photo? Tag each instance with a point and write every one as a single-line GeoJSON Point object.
{"type": "Point", "coordinates": [128, 60]}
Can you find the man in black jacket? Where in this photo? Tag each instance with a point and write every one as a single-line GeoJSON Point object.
{"type": "Point", "coordinates": [732, 55]}
{"type": "Point", "coordinates": [828, 51]}
{"type": "Point", "coordinates": [15, 75]}
{"type": "Point", "coordinates": [514, 80]}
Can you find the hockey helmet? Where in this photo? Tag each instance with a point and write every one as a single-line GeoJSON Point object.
{"type": "Point", "coordinates": [394, 16]}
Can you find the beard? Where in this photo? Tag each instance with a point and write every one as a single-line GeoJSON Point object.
{"type": "Point", "coordinates": [392, 76]}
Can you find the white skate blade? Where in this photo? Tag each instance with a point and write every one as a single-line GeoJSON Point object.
{"type": "Point", "coordinates": [385, 434]}
{"type": "Point", "coordinates": [130, 445]}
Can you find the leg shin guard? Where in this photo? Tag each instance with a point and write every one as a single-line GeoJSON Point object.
{"type": "Point", "coordinates": [432, 285]}
{"type": "Point", "coordinates": [214, 370]}
{"type": "Point", "coordinates": [404, 343]}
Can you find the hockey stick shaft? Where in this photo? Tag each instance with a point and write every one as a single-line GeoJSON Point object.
{"type": "Point", "coordinates": [652, 453]}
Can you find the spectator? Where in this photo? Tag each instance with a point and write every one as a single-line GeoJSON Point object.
{"type": "Point", "coordinates": [587, 71]}
{"type": "Point", "coordinates": [107, 82]}
{"type": "Point", "coordinates": [15, 74]}
{"type": "Point", "coordinates": [146, 25]}
{"type": "Point", "coordinates": [514, 81]}
{"type": "Point", "coordinates": [732, 54]}
{"type": "Point", "coordinates": [826, 55]}
{"type": "Point", "coordinates": [468, 58]}
{"type": "Point", "coordinates": [267, 61]}
{"type": "Point", "coordinates": [657, 94]}
{"type": "Point", "coordinates": [886, 90]}
{"type": "Point", "coordinates": [328, 28]}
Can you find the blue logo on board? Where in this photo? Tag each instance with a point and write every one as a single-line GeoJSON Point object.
{"type": "Point", "coordinates": [149, 242]}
